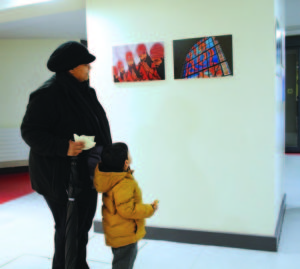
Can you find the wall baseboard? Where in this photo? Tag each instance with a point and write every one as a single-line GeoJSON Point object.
{"type": "Point", "coordinates": [12, 167]}
{"type": "Point", "coordinates": [280, 221]}
{"type": "Point", "coordinates": [264, 243]}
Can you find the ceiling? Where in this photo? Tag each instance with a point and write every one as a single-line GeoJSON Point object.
{"type": "Point", "coordinates": [67, 19]}
{"type": "Point", "coordinates": [42, 19]}
{"type": "Point", "coordinates": [69, 25]}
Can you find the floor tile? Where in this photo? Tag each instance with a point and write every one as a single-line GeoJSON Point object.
{"type": "Point", "coordinates": [26, 261]}
{"type": "Point", "coordinates": [98, 251]}
{"type": "Point", "coordinates": [160, 254]}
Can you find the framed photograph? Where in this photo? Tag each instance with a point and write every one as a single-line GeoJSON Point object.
{"type": "Point", "coordinates": [203, 57]}
{"type": "Point", "coordinates": [139, 62]}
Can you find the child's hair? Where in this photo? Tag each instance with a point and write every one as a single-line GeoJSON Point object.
{"type": "Point", "coordinates": [113, 157]}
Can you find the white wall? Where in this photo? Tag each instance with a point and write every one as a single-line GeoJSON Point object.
{"type": "Point", "coordinates": [23, 70]}
{"type": "Point", "coordinates": [279, 11]}
{"type": "Point", "coordinates": [206, 147]}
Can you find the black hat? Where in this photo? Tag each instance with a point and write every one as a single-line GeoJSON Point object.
{"type": "Point", "coordinates": [113, 157]}
{"type": "Point", "coordinates": [69, 55]}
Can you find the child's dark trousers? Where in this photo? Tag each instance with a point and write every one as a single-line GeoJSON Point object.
{"type": "Point", "coordinates": [124, 257]}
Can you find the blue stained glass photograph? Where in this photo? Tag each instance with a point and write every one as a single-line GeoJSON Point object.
{"type": "Point", "coordinates": [201, 58]}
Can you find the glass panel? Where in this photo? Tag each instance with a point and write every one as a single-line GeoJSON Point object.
{"type": "Point", "coordinates": [215, 41]}
{"type": "Point", "coordinates": [226, 69]}
{"type": "Point", "coordinates": [218, 71]}
{"type": "Point", "coordinates": [202, 47]}
{"type": "Point", "coordinates": [208, 54]}
{"type": "Point", "coordinates": [211, 61]}
{"type": "Point", "coordinates": [206, 74]}
{"type": "Point", "coordinates": [212, 72]}
{"type": "Point", "coordinates": [220, 53]}
{"type": "Point", "coordinates": [215, 59]}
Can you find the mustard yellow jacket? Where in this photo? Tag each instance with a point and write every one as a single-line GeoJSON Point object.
{"type": "Point", "coordinates": [123, 211]}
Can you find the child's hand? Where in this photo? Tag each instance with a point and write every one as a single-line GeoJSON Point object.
{"type": "Point", "coordinates": [155, 205]}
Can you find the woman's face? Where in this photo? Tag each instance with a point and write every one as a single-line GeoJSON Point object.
{"type": "Point", "coordinates": [130, 62]}
{"type": "Point", "coordinates": [128, 162]}
{"type": "Point", "coordinates": [129, 158]}
{"type": "Point", "coordinates": [156, 61]}
{"type": "Point", "coordinates": [143, 56]}
{"type": "Point", "coordinates": [81, 72]}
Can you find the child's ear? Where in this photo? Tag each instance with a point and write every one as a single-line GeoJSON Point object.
{"type": "Point", "coordinates": [126, 164]}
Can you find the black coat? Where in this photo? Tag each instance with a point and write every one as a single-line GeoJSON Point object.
{"type": "Point", "coordinates": [58, 109]}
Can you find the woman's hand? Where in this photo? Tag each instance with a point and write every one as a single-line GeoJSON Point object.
{"type": "Point", "coordinates": [75, 148]}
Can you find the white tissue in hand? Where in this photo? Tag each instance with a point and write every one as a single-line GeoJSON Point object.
{"type": "Point", "coordinates": [88, 141]}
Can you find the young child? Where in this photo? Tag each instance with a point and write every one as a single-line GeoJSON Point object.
{"type": "Point", "coordinates": [123, 210]}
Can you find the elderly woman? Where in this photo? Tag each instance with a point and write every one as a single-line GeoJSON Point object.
{"type": "Point", "coordinates": [63, 106]}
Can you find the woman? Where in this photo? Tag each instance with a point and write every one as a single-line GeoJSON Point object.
{"type": "Point", "coordinates": [63, 106]}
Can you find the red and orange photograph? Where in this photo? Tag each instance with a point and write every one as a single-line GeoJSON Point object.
{"type": "Point", "coordinates": [139, 62]}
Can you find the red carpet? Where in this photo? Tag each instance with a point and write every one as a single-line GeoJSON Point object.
{"type": "Point", "coordinates": [13, 186]}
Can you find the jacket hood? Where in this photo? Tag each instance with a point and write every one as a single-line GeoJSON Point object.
{"type": "Point", "coordinates": [105, 181]}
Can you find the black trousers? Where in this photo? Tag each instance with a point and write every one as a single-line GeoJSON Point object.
{"type": "Point", "coordinates": [124, 257]}
{"type": "Point", "coordinates": [87, 203]}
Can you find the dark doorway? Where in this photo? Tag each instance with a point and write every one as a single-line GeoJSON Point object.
{"type": "Point", "coordinates": [292, 107]}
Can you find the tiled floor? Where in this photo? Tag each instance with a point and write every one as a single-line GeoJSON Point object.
{"type": "Point", "coordinates": [26, 240]}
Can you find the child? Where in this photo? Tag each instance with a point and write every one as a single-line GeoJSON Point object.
{"type": "Point", "coordinates": [123, 211]}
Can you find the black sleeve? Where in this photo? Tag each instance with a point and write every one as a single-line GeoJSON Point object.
{"type": "Point", "coordinates": [38, 125]}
